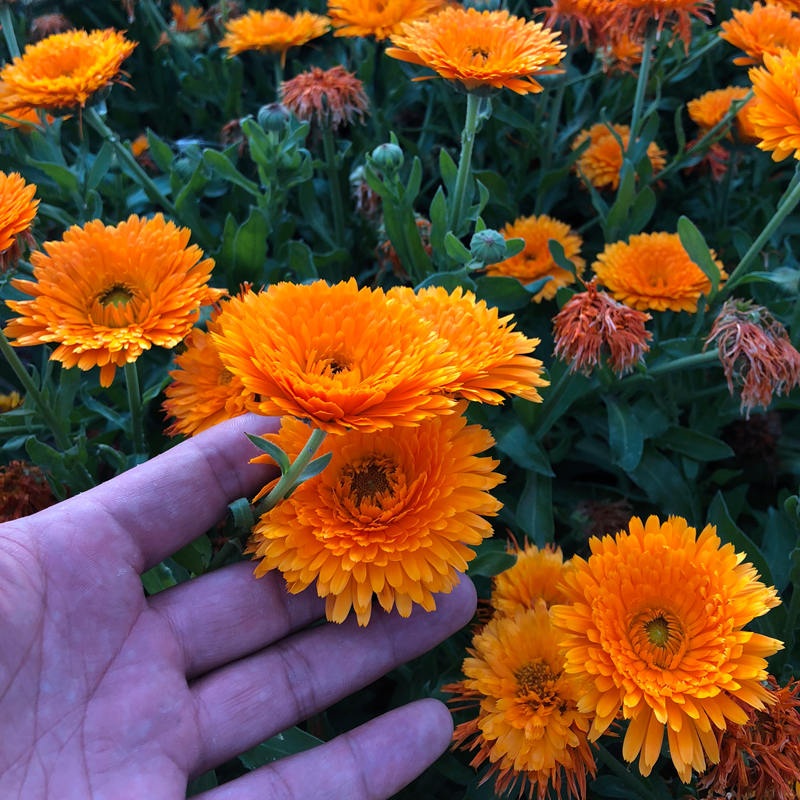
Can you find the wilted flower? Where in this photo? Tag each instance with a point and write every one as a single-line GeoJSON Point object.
{"type": "Point", "coordinates": [368, 202]}
{"type": "Point", "coordinates": [48, 24]}
{"type": "Point", "coordinates": [17, 212]}
{"type": "Point", "coordinates": [763, 30]}
{"type": "Point", "coordinates": [776, 115]}
{"type": "Point", "coordinates": [332, 97]}
{"type": "Point", "coordinates": [591, 324]}
{"type": "Point", "coordinates": [24, 490]}
{"type": "Point", "coordinates": [231, 133]}
{"type": "Point", "coordinates": [590, 16]}
{"type": "Point", "coordinates": [378, 18]}
{"type": "Point", "coordinates": [633, 16]}
{"type": "Point", "coordinates": [755, 352]}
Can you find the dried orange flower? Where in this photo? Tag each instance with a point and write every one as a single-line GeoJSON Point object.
{"type": "Point", "coordinates": [24, 490]}
{"type": "Point", "coordinates": [710, 108]}
{"type": "Point", "coordinates": [336, 355]}
{"type": "Point", "coordinates": [48, 24]}
{"type": "Point", "coordinates": [590, 16]}
{"type": "Point", "coordinates": [188, 26]}
{"type": "Point", "coordinates": [394, 514]}
{"type": "Point", "coordinates": [763, 30]}
{"type": "Point", "coordinates": [482, 51]}
{"type": "Point", "coordinates": [755, 352]}
{"type": "Point", "coordinates": [378, 18]}
{"type": "Point", "coordinates": [105, 293]}
{"type": "Point", "coordinates": [621, 53]}
{"type": "Point", "coordinates": [653, 271]}
{"type": "Point", "coordinates": [330, 97]}
{"type": "Point", "coordinates": [491, 357]}
{"type": "Point", "coordinates": [272, 31]}
{"type": "Point", "coordinates": [535, 577]}
{"type": "Point", "coordinates": [760, 758]}
{"type": "Point", "coordinates": [633, 16]}
{"type": "Point", "coordinates": [17, 212]}
{"type": "Point", "coordinates": [601, 162]}
{"type": "Point", "coordinates": [64, 71]}
{"type": "Point", "coordinates": [655, 631]}
{"type": "Point", "coordinates": [8, 402]}
{"type": "Point", "coordinates": [528, 725]}
{"type": "Point", "coordinates": [776, 115]}
{"type": "Point", "coordinates": [591, 325]}
{"type": "Point", "coordinates": [535, 261]}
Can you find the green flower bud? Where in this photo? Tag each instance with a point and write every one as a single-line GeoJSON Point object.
{"type": "Point", "coordinates": [274, 117]}
{"type": "Point", "coordinates": [488, 246]}
{"type": "Point", "coordinates": [388, 158]}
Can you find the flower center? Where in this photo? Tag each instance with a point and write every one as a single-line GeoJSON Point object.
{"type": "Point", "coordinates": [335, 363]}
{"type": "Point", "coordinates": [225, 377]}
{"type": "Point", "coordinates": [658, 631]}
{"type": "Point", "coordinates": [117, 295]}
{"type": "Point", "coordinates": [537, 681]}
{"type": "Point", "coordinates": [369, 482]}
{"type": "Point", "coordinates": [480, 52]}
{"type": "Point", "coordinates": [658, 637]}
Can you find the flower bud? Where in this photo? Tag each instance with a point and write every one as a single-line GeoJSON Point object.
{"type": "Point", "coordinates": [488, 246]}
{"type": "Point", "coordinates": [274, 117]}
{"type": "Point", "coordinates": [388, 158]}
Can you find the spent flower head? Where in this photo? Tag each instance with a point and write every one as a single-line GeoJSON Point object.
{"type": "Point", "coordinates": [332, 97]}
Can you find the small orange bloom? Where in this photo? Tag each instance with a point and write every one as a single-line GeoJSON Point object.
{"type": "Point", "coordinates": [17, 212]}
{"type": "Point", "coordinates": [776, 115]}
{"type": "Point", "coordinates": [763, 30]}
{"type": "Point", "coordinates": [535, 261]}
{"type": "Point", "coordinates": [24, 490]}
{"type": "Point", "coordinates": [633, 16]}
{"type": "Point", "coordinates": [535, 577]}
{"type": "Point", "coordinates": [188, 26]}
{"type": "Point", "coordinates": [272, 31]}
{"type": "Point", "coordinates": [395, 514]}
{"type": "Point", "coordinates": [330, 97]}
{"type": "Point", "coordinates": [482, 51]}
{"type": "Point", "coordinates": [710, 108]}
{"type": "Point", "coordinates": [378, 18]}
{"type": "Point", "coordinates": [621, 53]}
{"type": "Point", "coordinates": [653, 271]}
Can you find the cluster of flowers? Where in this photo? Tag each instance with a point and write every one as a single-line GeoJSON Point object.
{"type": "Point", "coordinates": [647, 633]}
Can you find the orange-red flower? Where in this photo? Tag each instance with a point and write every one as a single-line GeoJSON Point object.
{"type": "Point", "coordinates": [535, 577]}
{"type": "Point", "coordinates": [621, 53]}
{"type": "Point", "coordinates": [64, 71]}
{"type": "Point", "coordinates": [105, 293]}
{"type": "Point", "coordinates": [272, 31]}
{"type": "Point", "coordinates": [656, 632]}
{"type": "Point", "coordinates": [17, 212]}
{"type": "Point", "coordinates": [482, 51]}
{"type": "Point", "coordinates": [339, 356]}
{"type": "Point", "coordinates": [330, 97]}
{"type": "Point", "coordinates": [24, 490]}
{"type": "Point", "coordinates": [378, 18]}
{"type": "Point", "coordinates": [633, 16]}
{"type": "Point", "coordinates": [602, 160]}
{"type": "Point", "coordinates": [776, 116]}
{"type": "Point", "coordinates": [395, 515]}
{"type": "Point", "coordinates": [711, 108]}
{"type": "Point", "coordinates": [590, 16]}
{"type": "Point", "coordinates": [763, 30]}
{"type": "Point", "coordinates": [653, 271]}
{"type": "Point", "coordinates": [591, 325]}
{"type": "Point", "coordinates": [535, 260]}
{"type": "Point", "coordinates": [528, 726]}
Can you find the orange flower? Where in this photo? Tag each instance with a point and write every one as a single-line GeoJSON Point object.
{"type": "Point", "coordinates": [655, 631]}
{"type": "Point", "coordinates": [776, 116]}
{"type": "Point", "coordinates": [489, 50]}
{"type": "Point", "coordinates": [755, 352]}
{"type": "Point", "coordinates": [653, 271]}
{"type": "Point", "coordinates": [341, 357]}
{"type": "Point", "coordinates": [330, 97]}
{"type": "Point", "coordinates": [17, 212]}
{"type": "Point", "coordinates": [187, 26]}
{"type": "Point", "coordinates": [601, 162]}
{"type": "Point", "coordinates": [789, 5]}
{"type": "Point", "coordinates": [272, 31]}
{"type": "Point", "coordinates": [378, 18]}
{"type": "Point", "coordinates": [591, 16]}
{"type": "Point", "coordinates": [64, 71]}
{"type": "Point", "coordinates": [107, 293]}
{"type": "Point", "coordinates": [24, 490]}
{"type": "Point", "coordinates": [529, 726]}
{"type": "Point", "coordinates": [710, 108]}
{"type": "Point", "coordinates": [23, 118]}
{"type": "Point", "coordinates": [8, 402]}
{"type": "Point", "coordinates": [48, 24]}
{"type": "Point", "coordinates": [764, 30]}
{"type": "Point", "coordinates": [621, 53]}
{"type": "Point", "coordinates": [535, 261]}
{"type": "Point", "coordinates": [633, 16]}
{"type": "Point", "coordinates": [591, 323]}
{"type": "Point", "coordinates": [394, 514]}
{"type": "Point", "coordinates": [491, 357]}
{"type": "Point", "coordinates": [535, 577]}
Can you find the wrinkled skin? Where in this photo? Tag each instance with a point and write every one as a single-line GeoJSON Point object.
{"type": "Point", "coordinates": [107, 694]}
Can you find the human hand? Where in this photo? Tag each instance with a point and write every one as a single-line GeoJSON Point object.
{"type": "Point", "coordinates": [107, 694]}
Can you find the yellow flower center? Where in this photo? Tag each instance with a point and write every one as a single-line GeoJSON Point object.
{"type": "Point", "coordinates": [658, 637]}
{"type": "Point", "coordinates": [480, 52]}
{"type": "Point", "coordinates": [117, 295]}
{"type": "Point", "coordinates": [370, 482]}
{"type": "Point", "coordinates": [225, 377]}
{"type": "Point", "coordinates": [335, 363]}
{"type": "Point", "coordinates": [658, 631]}
{"type": "Point", "coordinates": [536, 682]}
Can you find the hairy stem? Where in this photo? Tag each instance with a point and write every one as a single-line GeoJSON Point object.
{"type": "Point", "coordinates": [641, 85]}
{"type": "Point", "coordinates": [458, 201]}
{"type": "Point", "coordinates": [333, 182]}
{"type": "Point", "coordinates": [135, 406]}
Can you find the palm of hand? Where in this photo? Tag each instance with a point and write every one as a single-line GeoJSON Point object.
{"type": "Point", "coordinates": [107, 694]}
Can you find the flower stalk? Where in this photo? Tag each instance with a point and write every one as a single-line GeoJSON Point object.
{"type": "Point", "coordinates": [641, 84]}
{"type": "Point", "coordinates": [135, 406]}
{"type": "Point", "coordinates": [333, 182]}
{"type": "Point", "coordinates": [8, 31]}
{"type": "Point", "coordinates": [458, 199]}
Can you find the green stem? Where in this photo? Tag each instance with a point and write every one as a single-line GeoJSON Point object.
{"type": "Point", "coordinates": [687, 362]}
{"type": "Point", "coordinates": [333, 181]}
{"type": "Point", "coordinates": [623, 773]}
{"type": "Point", "coordinates": [641, 85]}
{"type": "Point", "coordinates": [555, 112]}
{"type": "Point", "coordinates": [223, 10]}
{"type": "Point", "coordinates": [784, 209]}
{"type": "Point", "coordinates": [125, 155]}
{"type": "Point", "coordinates": [135, 406]}
{"type": "Point", "coordinates": [790, 634]}
{"type": "Point", "coordinates": [464, 165]}
{"type": "Point", "coordinates": [277, 67]}
{"type": "Point", "coordinates": [8, 30]}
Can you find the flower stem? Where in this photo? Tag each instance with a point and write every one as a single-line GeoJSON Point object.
{"type": "Point", "coordinates": [223, 10]}
{"type": "Point", "coordinates": [641, 84]}
{"type": "Point", "coordinates": [555, 111]}
{"type": "Point", "coordinates": [784, 209]}
{"type": "Point", "coordinates": [464, 164]}
{"type": "Point", "coordinates": [687, 362]}
{"type": "Point", "coordinates": [333, 182]}
{"type": "Point", "coordinates": [8, 31]}
{"type": "Point", "coordinates": [135, 406]}
{"type": "Point", "coordinates": [277, 68]}
{"type": "Point", "coordinates": [125, 155]}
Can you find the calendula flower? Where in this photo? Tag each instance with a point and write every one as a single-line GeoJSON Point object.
{"type": "Point", "coordinates": [272, 31]}
{"type": "Point", "coordinates": [395, 515]}
{"type": "Point", "coordinates": [589, 16]}
{"type": "Point", "coordinates": [481, 50]}
{"type": "Point", "coordinates": [592, 325]}
{"type": "Point", "coordinates": [601, 162]}
{"type": "Point", "coordinates": [535, 577]}
{"type": "Point", "coordinates": [378, 18]}
{"type": "Point", "coordinates": [633, 16]}
{"type": "Point", "coordinates": [22, 118]}
{"type": "Point", "coordinates": [8, 402]}
{"type": "Point", "coordinates": [760, 758]}
{"type": "Point", "coordinates": [763, 30]}
{"type": "Point", "coordinates": [528, 724]}
{"type": "Point", "coordinates": [789, 5]}
{"type": "Point", "coordinates": [775, 117]}
{"type": "Point", "coordinates": [24, 490]}
{"type": "Point", "coordinates": [490, 356]}
{"type": "Point", "coordinates": [17, 212]}
{"type": "Point", "coordinates": [330, 97]}
{"type": "Point", "coordinates": [755, 352]}
{"type": "Point", "coordinates": [710, 108]}
{"type": "Point", "coordinates": [653, 271]}
{"type": "Point", "coordinates": [48, 24]}
{"type": "Point", "coordinates": [66, 70]}
{"type": "Point", "coordinates": [535, 261]}
{"type": "Point", "coordinates": [339, 356]}
{"type": "Point", "coordinates": [188, 26]}
{"type": "Point", "coordinates": [656, 631]}
{"type": "Point", "coordinates": [621, 53]}
{"type": "Point", "coordinates": [106, 293]}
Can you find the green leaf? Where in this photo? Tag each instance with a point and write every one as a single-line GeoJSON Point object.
{"type": "Point", "coordinates": [438, 220]}
{"type": "Point", "coordinates": [643, 208]}
{"type": "Point", "coordinates": [537, 286]}
{"type": "Point", "coordinates": [287, 743]}
{"type": "Point", "coordinates": [625, 435]}
{"type": "Point", "coordinates": [514, 247]}
{"type": "Point", "coordinates": [301, 260]}
{"type": "Point", "coordinates": [449, 280]}
{"type": "Point", "coordinates": [491, 559]}
{"type": "Point", "coordinates": [507, 294]}
{"type": "Point", "coordinates": [414, 183]}
{"type": "Point", "coordinates": [250, 247]}
{"type": "Point", "coordinates": [161, 152]}
{"type": "Point", "coordinates": [223, 168]}
{"type": "Point", "coordinates": [158, 579]}
{"type": "Point", "coordinates": [784, 277]}
{"type": "Point", "coordinates": [273, 451]}
{"type": "Point", "coordinates": [557, 252]}
{"type": "Point", "coordinates": [780, 538]}
{"type": "Point", "coordinates": [202, 784]}
{"type": "Point", "coordinates": [515, 442]}
{"type": "Point", "coordinates": [100, 166]}
{"type": "Point", "coordinates": [535, 509]}
{"type": "Point", "coordinates": [67, 181]}
{"type": "Point", "coordinates": [455, 249]}
{"type": "Point", "coordinates": [448, 169]}
{"type": "Point", "coordinates": [242, 514]}
{"type": "Point", "coordinates": [313, 469]}
{"type": "Point", "coordinates": [626, 193]}
{"type": "Point", "coordinates": [694, 444]}
{"type": "Point", "coordinates": [663, 484]}
{"type": "Point", "coordinates": [191, 557]}
{"type": "Point", "coordinates": [695, 245]}
{"type": "Point", "coordinates": [114, 458]}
